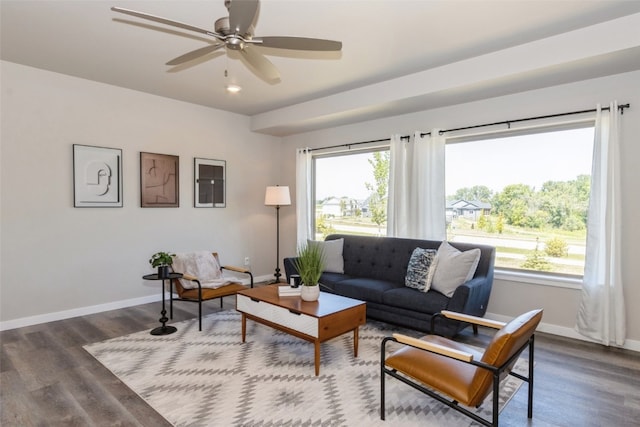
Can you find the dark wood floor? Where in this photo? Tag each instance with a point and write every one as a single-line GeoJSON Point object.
{"type": "Point", "coordinates": [47, 379]}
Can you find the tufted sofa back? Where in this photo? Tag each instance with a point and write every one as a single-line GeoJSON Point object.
{"type": "Point", "coordinates": [387, 258]}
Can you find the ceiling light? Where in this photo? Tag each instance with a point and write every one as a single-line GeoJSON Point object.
{"type": "Point", "coordinates": [233, 88]}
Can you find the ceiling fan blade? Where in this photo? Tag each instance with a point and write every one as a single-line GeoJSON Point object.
{"type": "Point", "coordinates": [299, 43]}
{"type": "Point", "coordinates": [264, 68]}
{"type": "Point", "coordinates": [241, 15]}
{"type": "Point", "coordinates": [165, 21]}
{"type": "Point", "coordinates": [189, 56]}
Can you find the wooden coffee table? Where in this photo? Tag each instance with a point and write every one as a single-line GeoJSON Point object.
{"type": "Point", "coordinates": [316, 322]}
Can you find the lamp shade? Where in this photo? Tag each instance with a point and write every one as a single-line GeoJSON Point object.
{"type": "Point", "coordinates": [277, 196]}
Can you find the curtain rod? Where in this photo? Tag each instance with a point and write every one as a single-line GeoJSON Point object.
{"type": "Point", "coordinates": [505, 122]}
{"type": "Point", "coordinates": [548, 116]}
{"type": "Point", "coordinates": [355, 143]}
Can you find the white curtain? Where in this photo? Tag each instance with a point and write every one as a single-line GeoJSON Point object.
{"type": "Point", "coordinates": [303, 196]}
{"type": "Point", "coordinates": [601, 315]}
{"type": "Point", "coordinates": [397, 201]}
{"type": "Point", "coordinates": [416, 204]}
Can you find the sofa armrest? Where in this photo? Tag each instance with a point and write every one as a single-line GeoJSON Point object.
{"type": "Point", "coordinates": [289, 267]}
{"type": "Point", "coordinates": [472, 297]}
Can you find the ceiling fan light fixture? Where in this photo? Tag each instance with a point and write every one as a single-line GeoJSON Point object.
{"type": "Point", "coordinates": [235, 32]}
{"type": "Point", "coordinates": [231, 88]}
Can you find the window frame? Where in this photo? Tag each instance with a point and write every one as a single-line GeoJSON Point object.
{"type": "Point", "coordinates": [346, 151]}
{"type": "Point", "coordinates": [532, 277]}
{"type": "Point", "coordinates": [543, 278]}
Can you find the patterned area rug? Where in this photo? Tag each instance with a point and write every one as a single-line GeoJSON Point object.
{"type": "Point", "coordinates": [211, 378]}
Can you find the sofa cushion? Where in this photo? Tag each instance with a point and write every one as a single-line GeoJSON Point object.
{"type": "Point", "coordinates": [420, 269]}
{"type": "Point", "coordinates": [332, 254]}
{"type": "Point", "coordinates": [330, 279]}
{"type": "Point", "coordinates": [453, 268]}
{"type": "Point", "coordinates": [423, 302]}
{"type": "Point", "coordinates": [365, 289]}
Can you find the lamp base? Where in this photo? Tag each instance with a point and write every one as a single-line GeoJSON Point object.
{"type": "Point", "coordinates": [277, 276]}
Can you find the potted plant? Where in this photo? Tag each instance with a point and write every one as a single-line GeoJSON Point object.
{"type": "Point", "coordinates": [162, 260]}
{"type": "Point", "coordinates": [309, 263]}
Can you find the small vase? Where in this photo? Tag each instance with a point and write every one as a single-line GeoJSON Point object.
{"type": "Point", "coordinates": [163, 272]}
{"type": "Point", "coordinates": [310, 293]}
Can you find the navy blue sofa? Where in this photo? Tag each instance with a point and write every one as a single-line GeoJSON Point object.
{"type": "Point", "coordinates": [375, 270]}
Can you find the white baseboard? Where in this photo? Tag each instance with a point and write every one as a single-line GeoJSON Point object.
{"type": "Point", "coordinates": [563, 331]}
{"type": "Point", "coordinates": [83, 311]}
{"type": "Point", "coordinates": [75, 312]}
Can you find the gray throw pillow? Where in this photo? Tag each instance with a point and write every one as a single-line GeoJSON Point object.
{"type": "Point", "coordinates": [454, 268]}
{"type": "Point", "coordinates": [332, 254]}
{"type": "Point", "coordinates": [420, 269]}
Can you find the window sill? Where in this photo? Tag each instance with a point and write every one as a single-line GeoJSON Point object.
{"type": "Point", "coordinates": [539, 279]}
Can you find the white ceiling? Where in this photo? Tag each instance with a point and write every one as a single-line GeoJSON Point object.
{"type": "Point", "coordinates": [398, 56]}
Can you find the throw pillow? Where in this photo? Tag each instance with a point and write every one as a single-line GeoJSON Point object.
{"type": "Point", "coordinates": [332, 254]}
{"type": "Point", "coordinates": [419, 270]}
{"type": "Point", "coordinates": [454, 268]}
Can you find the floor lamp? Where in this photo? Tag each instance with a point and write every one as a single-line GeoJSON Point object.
{"type": "Point", "coordinates": [277, 196]}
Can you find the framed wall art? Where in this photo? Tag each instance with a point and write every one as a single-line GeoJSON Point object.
{"type": "Point", "coordinates": [97, 177]}
{"type": "Point", "coordinates": [159, 181]}
{"type": "Point", "coordinates": [209, 183]}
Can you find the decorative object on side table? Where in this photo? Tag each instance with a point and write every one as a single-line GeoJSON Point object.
{"type": "Point", "coordinates": [309, 264]}
{"type": "Point", "coordinates": [162, 260]}
{"type": "Point", "coordinates": [277, 196]}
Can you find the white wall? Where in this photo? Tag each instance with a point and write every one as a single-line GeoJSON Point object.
{"type": "Point", "coordinates": [511, 298]}
{"type": "Point", "coordinates": [57, 258]}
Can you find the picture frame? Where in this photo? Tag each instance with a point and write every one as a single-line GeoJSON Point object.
{"type": "Point", "coordinates": [159, 180]}
{"type": "Point", "coordinates": [97, 177]}
{"type": "Point", "coordinates": [209, 183]}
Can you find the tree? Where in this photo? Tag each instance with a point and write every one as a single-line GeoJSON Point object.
{"type": "Point", "coordinates": [324, 227]}
{"type": "Point", "coordinates": [482, 222]}
{"type": "Point", "coordinates": [480, 193]}
{"type": "Point", "coordinates": [379, 190]}
{"type": "Point", "coordinates": [566, 202]}
{"type": "Point", "coordinates": [536, 261]}
{"type": "Point", "coordinates": [556, 247]}
{"type": "Point", "coordinates": [513, 202]}
{"type": "Point", "coordinates": [500, 224]}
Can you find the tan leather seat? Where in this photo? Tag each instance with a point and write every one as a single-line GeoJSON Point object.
{"type": "Point", "coordinates": [458, 371]}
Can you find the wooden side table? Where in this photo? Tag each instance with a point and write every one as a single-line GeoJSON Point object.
{"type": "Point", "coordinates": [164, 329]}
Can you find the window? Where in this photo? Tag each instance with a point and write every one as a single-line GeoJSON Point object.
{"type": "Point", "coordinates": [527, 195]}
{"type": "Point", "coordinates": [350, 197]}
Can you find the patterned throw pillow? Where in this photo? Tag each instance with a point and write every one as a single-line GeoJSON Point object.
{"type": "Point", "coordinates": [420, 269]}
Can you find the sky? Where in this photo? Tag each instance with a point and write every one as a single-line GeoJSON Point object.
{"type": "Point", "coordinates": [539, 158]}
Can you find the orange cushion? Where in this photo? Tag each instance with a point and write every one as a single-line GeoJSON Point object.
{"type": "Point", "coordinates": [446, 375]}
{"type": "Point", "coordinates": [462, 381]}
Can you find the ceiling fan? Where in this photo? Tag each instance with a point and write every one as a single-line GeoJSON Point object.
{"type": "Point", "coordinates": [235, 32]}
